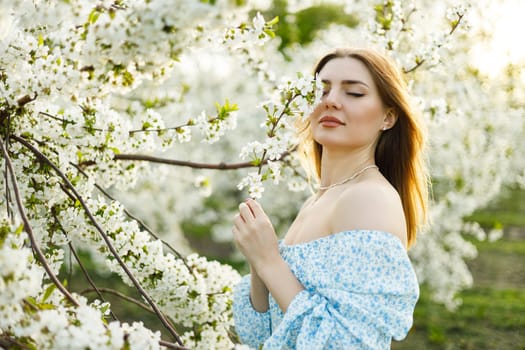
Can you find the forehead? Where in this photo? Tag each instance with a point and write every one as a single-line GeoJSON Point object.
{"type": "Point", "coordinates": [346, 68]}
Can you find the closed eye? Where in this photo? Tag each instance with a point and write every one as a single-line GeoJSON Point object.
{"type": "Point", "coordinates": [355, 94]}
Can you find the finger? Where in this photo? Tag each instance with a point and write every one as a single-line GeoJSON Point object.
{"type": "Point", "coordinates": [236, 236]}
{"type": "Point", "coordinates": [255, 208]}
{"type": "Point", "coordinates": [246, 201]}
{"type": "Point", "coordinates": [245, 211]}
{"type": "Point", "coordinates": [235, 231]}
{"type": "Point", "coordinates": [238, 220]}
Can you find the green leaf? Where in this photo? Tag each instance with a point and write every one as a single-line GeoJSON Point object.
{"type": "Point", "coordinates": [19, 229]}
{"type": "Point", "coordinates": [32, 301]}
{"type": "Point", "coordinates": [46, 306]}
{"type": "Point", "coordinates": [93, 16]}
{"type": "Point", "coordinates": [48, 292]}
{"type": "Point", "coordinates": [270, 33]}
{"type": "Point", "coordinates": [273, 21]}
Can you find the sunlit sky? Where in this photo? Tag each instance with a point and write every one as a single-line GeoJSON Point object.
{"type": "Point", "coordinates": [508, 42]}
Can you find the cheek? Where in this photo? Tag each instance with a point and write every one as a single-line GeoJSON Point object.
{"type": "Point", "coordinates": [314, 116]}
{"type": "Point", "coordinates": [317, 111]}
{"type": "Point", "coordinates": [371, 113]}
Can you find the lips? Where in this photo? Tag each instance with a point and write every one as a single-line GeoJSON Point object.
{"type": "Point", "coordinates": [330, 121]}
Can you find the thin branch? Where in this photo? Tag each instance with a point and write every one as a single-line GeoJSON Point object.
{"type": "Point", "coordinates": [22, 101]}
{"type": "Point", "coordinates": [152, 159]}
{"type": "Point", "coordinates": [456, 25]}
{"type": "Point", "coordinates": [131, 132]}
{"type": "Point", "coordinates": [65, 121]}
{"type": "Point", "coordinates": [69, 268]}
{"type": "Point", "coordinates": [8, 198]}
{"type": "Point", "coordinates": [88, 278]}
{"type": "Point", "coordinates": [7, 342]}
{"type": "Point", "coordinates": [188, 123]}
{"type": "Point", "coordinates": [405, 20]}
{"type": "Point", "coordinates": [29, 230]}
{"type": "Point", "coordinates": [120, 295]}
{"type": "Point", "coordinates": [172, 346]}
{"type": "Point", "coordinates": [7, 194]}
{"type": "Point", "coordinates": [66, 191]}
{"type": "Point", "coordinates": [62, 120]}
{"type": "Point", "coordinates": [140, 304]}
{"type": "Point", "coordinates": [272, 132]}
{"type": "Point", "coordinates": [416, 66]}
{"type": "Point", "coordinates": [452, 30]}
{"type": "Point", "coordinates": [138, 220]}
{"type": "Point", "coordinates": [107, 240]}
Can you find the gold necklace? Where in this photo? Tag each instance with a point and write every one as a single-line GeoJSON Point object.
{"type": "Point", "coordinates": [356, 174]}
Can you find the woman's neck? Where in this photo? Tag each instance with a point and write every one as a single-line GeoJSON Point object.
{"type": "Point", "coordinates": [338, 166]}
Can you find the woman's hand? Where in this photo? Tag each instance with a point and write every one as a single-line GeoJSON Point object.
{"type": "Point", "coordinates": [254, 234]}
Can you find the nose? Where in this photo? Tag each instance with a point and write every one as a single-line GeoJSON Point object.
{"type": "Point", "coordinates": [331, 99]}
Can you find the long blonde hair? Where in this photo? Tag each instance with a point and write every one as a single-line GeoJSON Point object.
{"type": "Point", "coordinates": [399, 151]}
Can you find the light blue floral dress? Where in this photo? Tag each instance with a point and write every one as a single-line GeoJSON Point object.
{"type": "Point", "coordinates": [360, 292]}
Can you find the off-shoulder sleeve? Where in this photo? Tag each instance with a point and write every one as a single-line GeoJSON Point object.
{"type": "Point", "coordinates": [358, 295]}
{"type": "Point", "coordinates": [252, 327]}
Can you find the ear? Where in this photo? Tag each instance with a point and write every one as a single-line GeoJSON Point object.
{"type": "Point", "coordinates": [389, 119]}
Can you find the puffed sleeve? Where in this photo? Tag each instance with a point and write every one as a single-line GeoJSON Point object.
{"type": "Point", "coordinates": [252, 327]}
{"type": "Point", "coordinates": [359, 295]}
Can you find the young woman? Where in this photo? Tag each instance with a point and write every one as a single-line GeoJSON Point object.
{"type": "Point", "coordinates": [341, 277]}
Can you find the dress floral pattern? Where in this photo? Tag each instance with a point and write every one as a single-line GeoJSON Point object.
{"type": "Point", "coordinates": [360, 292]}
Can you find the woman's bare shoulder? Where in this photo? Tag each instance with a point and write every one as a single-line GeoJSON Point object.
{"type": "Point", "coordinates": [372, 204]}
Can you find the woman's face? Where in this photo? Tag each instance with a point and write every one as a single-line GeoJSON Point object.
{"type": "Point", "coordinates": [351, 113]}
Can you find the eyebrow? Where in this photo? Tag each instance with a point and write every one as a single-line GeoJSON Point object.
{"type": "Point", "coordinates": [346, 82]}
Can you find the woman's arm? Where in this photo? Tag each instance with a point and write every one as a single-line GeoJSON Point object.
{"type": "Point", "coordinates": [258, 292]}
{"type": "Point", "coordinates": [281, 282]}
{"type": "Point", "coordinates": [255, 237]}
{"type": "Point", "coordinates": [252, 327]}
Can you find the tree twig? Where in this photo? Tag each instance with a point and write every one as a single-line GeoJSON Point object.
{"type": "Point", "coordinates": [153, 159]}
{"type": "Point", "coordinates": [107, 240]}
{"type": "Point", "coordinates": [194, 165]}
{"type": "Point", "coordinates": [29, 230]}
{"type": "Point", "coordinates": [8, 198]}
{"type": "Point", "coordinates": [138, 220]}
{"type": "Point", "coordinates": [188, 123]}
{"type": "Point", "coordinates": [22, 101]}
{"type": "Point", "coordinates": [7, 342]}
{"type": "Point", "coordinates": [120, 295]}
{"type": "Point", "coordinates": [272, 133]}
{"type": "Point", "coordinates": [172, 346]}
{"type": "Point", "coordinates": [62, 120]}
{"type": "Point", "coordinates": [452, 30]}
{"type": "Point", "coordinates": [138, 303]}
{"type": "Point", "coordinates": [88, 278]}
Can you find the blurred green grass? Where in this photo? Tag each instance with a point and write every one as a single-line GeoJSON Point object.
{"type": "Point", "coordinates": [492, 315]}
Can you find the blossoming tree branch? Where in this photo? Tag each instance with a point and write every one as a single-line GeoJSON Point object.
{"type": "Point", "coordinates": [108, 102]}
